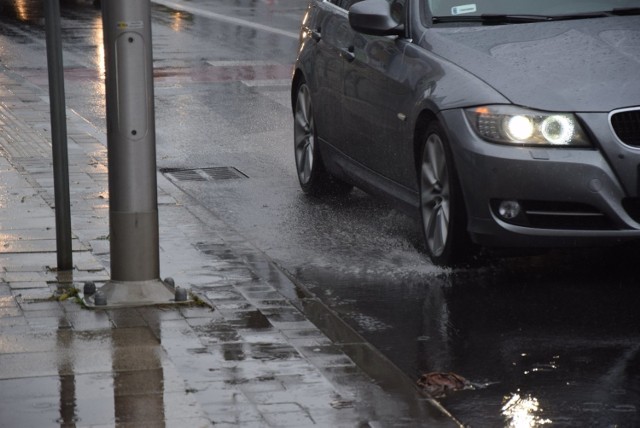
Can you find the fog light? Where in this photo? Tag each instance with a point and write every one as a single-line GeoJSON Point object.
{"type": "Point", "coordinates": [509, 209]}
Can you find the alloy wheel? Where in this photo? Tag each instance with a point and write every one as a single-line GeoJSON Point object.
{"type": "Point", "coordinates": [304, 135]}
{"type": "Point", "coordinates": [435, 195]}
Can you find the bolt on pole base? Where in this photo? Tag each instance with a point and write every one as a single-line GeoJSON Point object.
{"type": "Point", "coordinates": [125, 294]}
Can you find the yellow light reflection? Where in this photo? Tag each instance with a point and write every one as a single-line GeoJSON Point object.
{"type": "Point", "coordinates": [305, 18]}
{"type": "Point", "coordinates": [523, 412]}
{"type": "Point", "coordinates": [22, 11]}
{"type": "Point", "coordinates": [97, 37]}
{"type": "Point", "coordinates": [178, 21]}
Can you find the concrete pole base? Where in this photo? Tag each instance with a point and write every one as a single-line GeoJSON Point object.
{"type": "Point", "coordinates": [121, 294]}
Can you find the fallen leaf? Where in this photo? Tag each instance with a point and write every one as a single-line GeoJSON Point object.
{"type": "Point", "coordinates": [439, 384]}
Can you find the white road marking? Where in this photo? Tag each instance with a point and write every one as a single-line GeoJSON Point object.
{"type": "Point", "coordinates": [243, 63]}
{"type": "Point", "coordinates": [242, 22]}
{"type": "Point", "coordinates": [258, 83]}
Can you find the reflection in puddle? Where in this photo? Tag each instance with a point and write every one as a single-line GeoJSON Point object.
{"type": "Point", "coordinates": [560, 328]}
{"type": "Point", "coordinates": [126, 383]}
{"type": "Point", "coordinates": [273, 351]}
{"type": "Point", "coordinates": [233, 352]}
{"type": "Point", "coordinates": [98, 58]}
{"type": "Point", "coordinates": [68, 405]}
{"type": "Point", "coordinates": [138, 377]}
{"type": "Point", "coordinates": [258, 351]}
{"type": "Point", "coordinates": [178, 20]}
{"type": "Point", "coordinates": [368, 323]}
{"type": "Point", "coordinates": [521, 412]}
{"type": "Point", "coordinates": [252, 319]}
{"type": "Point", "coordinates": [24, 10]}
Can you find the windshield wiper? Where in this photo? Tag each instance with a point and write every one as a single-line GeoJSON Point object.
{"type": "Point", "coordinates": [491, 19]}
{"type": "Point", "coordinates": [495, 19]}
{"type": "Point", "coordinates": [623, 11]}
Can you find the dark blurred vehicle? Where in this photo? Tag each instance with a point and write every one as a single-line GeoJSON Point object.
{"type": "Point", "coordinates": [500, 123]}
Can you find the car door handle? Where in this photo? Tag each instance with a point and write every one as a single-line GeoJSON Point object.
{"type": "Point", "coordinates": [348, 54]}
{"type": "Point", "coordinates": [316, 35]}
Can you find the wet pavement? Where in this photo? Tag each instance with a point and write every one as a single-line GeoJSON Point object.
{"type": "Point", "coordinates": [246, 355]}
{"type": "Point", "coordinates": [548, 339]}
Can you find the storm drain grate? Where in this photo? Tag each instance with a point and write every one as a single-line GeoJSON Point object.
{"type": "Point", "coordinates": [185, 175]}
{"type": "Point", "coordinates": [203, 174]}
{"type": "Point", "coordinates": [223, 173]}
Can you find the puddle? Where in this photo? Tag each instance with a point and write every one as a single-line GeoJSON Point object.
{"type": "Point", "coordinates": [243, 381]}
{"type": "Point", "coordinates": [284, 315]}
{"type": "Point", "coordinates": [277, 303]}
{"type": "Point", "coordinates": [273, 351]}
{"type": "Point", "coordinates": [217, 332]}
{"type": "Point", "coordinates": [233, 351]}
{"type": "Point", "coordinates": [251, 319]}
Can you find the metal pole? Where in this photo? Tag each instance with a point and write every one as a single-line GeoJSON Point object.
{"type": "Point", "coordinates": [133, 201]}
{"type": "Point", "coordinates": [58, 135]}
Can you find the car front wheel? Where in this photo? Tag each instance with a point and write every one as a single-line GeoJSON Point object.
{"type": "Point", "coordinates": [441, 205]}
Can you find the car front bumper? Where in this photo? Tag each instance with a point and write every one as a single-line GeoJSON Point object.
{"type": "Point", "coordinates": [568, 196]}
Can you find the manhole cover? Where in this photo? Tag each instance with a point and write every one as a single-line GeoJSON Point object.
{"type": "Point", "coordinates": [203, 174]}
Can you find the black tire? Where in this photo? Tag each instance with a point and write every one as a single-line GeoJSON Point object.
{"type": "Point", "coordinates": [312, 175]}
{"type": "Point", "coordinates": [442, 210]}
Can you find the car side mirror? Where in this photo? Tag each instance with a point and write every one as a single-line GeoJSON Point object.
{"type": "Point", "coordinates": [374, 17]}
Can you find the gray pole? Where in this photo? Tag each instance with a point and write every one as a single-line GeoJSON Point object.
{"type": "Point", "coordinates": [58, 134]}
{"type": "Point", "coordinates": [133, 201]}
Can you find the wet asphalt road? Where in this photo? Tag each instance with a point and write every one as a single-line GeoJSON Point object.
{"type": "Point", "coordinates": [551, 338]}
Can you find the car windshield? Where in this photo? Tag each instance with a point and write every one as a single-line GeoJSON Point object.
{"type": "Point", "coordinates": [515, 11]}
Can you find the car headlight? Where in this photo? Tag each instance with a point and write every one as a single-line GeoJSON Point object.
{"type": "Point", "coordinates": [519, 126]}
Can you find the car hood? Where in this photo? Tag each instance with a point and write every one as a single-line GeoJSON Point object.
{"type": "Point", "coordinates": [579, 65]}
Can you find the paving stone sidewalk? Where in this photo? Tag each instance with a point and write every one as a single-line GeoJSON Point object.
{"type": "Point", "coordinates": [248, 357]}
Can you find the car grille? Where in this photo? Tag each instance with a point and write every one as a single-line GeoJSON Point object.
{"type": "Point", "coordinates": [565, 215]}
{"type": "Point", "coordinates": [626, 125]}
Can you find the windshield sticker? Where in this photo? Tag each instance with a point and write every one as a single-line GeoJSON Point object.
{"type": "Point", "coordinates": [467, 8]}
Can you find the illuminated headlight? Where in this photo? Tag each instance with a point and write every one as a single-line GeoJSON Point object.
{"type": "Point", "coordinates": [520, 128]}
{"type": "Point", "coordinates": [515, 125]}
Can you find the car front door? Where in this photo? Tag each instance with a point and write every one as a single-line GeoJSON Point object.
{"type": "Point", "coordinates": [328, 27]}
{"type": "Point", "coordinates": [376, 98]}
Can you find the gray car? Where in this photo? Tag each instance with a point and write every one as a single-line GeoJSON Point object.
{"type": "Point", "coordinates": [508, 123]}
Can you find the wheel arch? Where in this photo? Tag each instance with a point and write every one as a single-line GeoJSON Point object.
{"type": "Point", "coordinates": [298, 78]}
{"type": "Point", "coordinates": [425, 117]}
